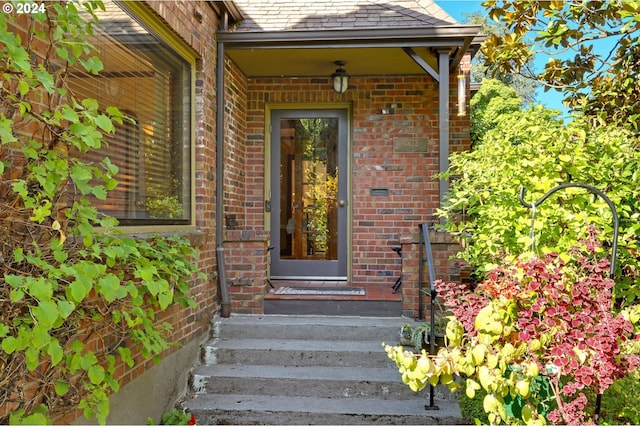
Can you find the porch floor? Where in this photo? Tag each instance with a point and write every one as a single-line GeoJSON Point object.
{"type": "Point", "coordinates": [373, 292]}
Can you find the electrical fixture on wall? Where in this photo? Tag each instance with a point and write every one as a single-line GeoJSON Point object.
{"type": "Point", "coordinates": [340, 78]}
{"type": "Point", "coordinates": [462, 94]}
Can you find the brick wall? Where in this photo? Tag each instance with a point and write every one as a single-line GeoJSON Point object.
{"type": "Point", "coordinates": [196, 22]}
{"type": "Point", "coordinates": [235, 167]}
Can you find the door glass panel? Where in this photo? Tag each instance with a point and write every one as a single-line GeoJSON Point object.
{"type": "Point", "coordinates": [308, 188]}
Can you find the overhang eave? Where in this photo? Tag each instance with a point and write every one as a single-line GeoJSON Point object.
{"type": "Point", "coordinates": [453, 36]}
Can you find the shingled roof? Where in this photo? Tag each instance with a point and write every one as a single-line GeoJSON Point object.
{"type": "Point", "coordinates": [318, 15]}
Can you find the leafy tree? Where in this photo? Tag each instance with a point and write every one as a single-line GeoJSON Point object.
{"type": "Point", "coordinates": [494, 99]}
{"type": "Point", "coordinates": [604, 86]}
{"type": "Point", "coordinates": [524, 87]}
{"type": "Point", "coordinates": [76, 296]}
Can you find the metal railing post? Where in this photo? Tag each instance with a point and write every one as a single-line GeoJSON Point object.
{"type": "Point", "coordinates": [424, 240]}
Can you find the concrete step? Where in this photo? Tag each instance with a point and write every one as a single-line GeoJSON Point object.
{"type": "Point", "coordinates": [281, 410]}
{"type": "Point", "coordinates": [308, 370]}
{"type": "Point", "coordinates": [327, 382]}
{"type": "Point", "coordinates": [296, 352]}
{"type": "Point", "coordinates": [307, 326]}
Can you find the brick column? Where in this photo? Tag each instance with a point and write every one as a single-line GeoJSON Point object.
{"type": "Point", "coordinates": [443, 248]}
{"type": "Point", "coordinates": [246, 267]}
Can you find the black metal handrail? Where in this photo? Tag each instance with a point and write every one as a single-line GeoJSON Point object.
{"type": "Point", "coordinates": [425, 249]}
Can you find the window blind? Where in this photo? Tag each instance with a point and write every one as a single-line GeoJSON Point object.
{"type": "Point", "coordinates": [148, 81]}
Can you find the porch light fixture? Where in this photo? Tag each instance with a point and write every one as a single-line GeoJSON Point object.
{"type": "Point", "coordinates": [462, 95]}
{"type": "Point", "coordinates": [340, 78]}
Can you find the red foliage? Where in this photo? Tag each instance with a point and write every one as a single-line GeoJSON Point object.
{"type": "Point", "coordinates": [569, 306]}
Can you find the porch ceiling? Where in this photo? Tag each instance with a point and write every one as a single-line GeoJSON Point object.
{"type": "Point", "coordinates": [367, 52]}
{"type": "Point", "coordinates": [320, 62]}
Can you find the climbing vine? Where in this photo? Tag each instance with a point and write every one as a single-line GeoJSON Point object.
{"type": "Point", "coordinates": [77, 297]}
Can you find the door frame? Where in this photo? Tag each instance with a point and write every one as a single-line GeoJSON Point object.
{"type": "Point", "coordinates": [269, 108]}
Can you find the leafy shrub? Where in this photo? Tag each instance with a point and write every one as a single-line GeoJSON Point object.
{"type": "Point", "coordinates": [536, 334]}
{"type": "Point", "coordinates": [493, 100]}
{"type": "Point", "coordinates": [621, 402]}
{"type": "Point", "coordinates": [471, 408]}
{"type": "Point", "coordinates": [175, 417]}
{"type": "Point", "coordinates": [536, 150]}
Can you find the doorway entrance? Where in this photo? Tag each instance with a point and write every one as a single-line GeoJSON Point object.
{"type": "Point", "coordinates": [309, 202]}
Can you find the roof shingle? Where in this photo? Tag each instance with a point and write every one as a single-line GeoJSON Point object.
{"type": "Point", "coordinates": [288, 15]}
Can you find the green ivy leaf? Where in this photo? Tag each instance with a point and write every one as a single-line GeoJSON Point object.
{"type": "Point", "coordinates": [68, 113]}
{"type": "Point", "coordinates": [14, 281]}
{"type": "Point", "coordinates": [105, 123]}
{"type": "Point", "coordinates": [61, 388]}
{"type": "Point", "coordinates": [65, 308]}
{"type": "Point", "coordinates": [9, 344]}
{"type": "Point", "coordinates": [147, 272]}
{"type": "Point", "coordinates": [109, 287]}
{"type": "Point", "coordinates": [45, 78]}
{"type": "Point", "coordinates": [165, 298]}
{"type": "Point", "coordinates": [23, 87]}
{"type": "Point", "coordinates": [31, 357]}
{"type": "Point", "coordinates": [81, 176]}
{"type": "Point", "coordinates": [55, 352]}
{"type": "Point", "coordinates": [96, 374]}
{"type": "Point", "coordinates": [78, 290]}
{"type": "Point", "coordinates": [90, 104]}
{"type": "Point", "coordinates": [125, 355]}
{"type": "Point", "coordinates": [6, 130]}
{"type": "Point", "coordinates": [99, 192]}
{"type": "Point", "coordinates": [46, 313]}
{"type": "Point", "coordinates": [16, 295]}
{"type": "Point", "coordinates": [58, 253]}
{"type": "Point", "coordinates": [40, 289]}
{"type": "Point", "coordinates": [20, 58]}
{"type": "Point", "coordinates": [18, 418]}
{"type": "Point", "coordinates": [62, 53]}
{"type": "Point", "coordinates": [92, 65]}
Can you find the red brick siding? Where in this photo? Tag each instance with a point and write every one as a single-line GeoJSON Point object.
{"type": "Point", "coordinates": [179, 15]}
{"type": "Point", "coordinates": [235, 168]}
{"type": "Point", "coordinates": [192, 323]}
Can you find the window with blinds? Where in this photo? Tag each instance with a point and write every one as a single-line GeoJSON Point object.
{"type": "Point", "coordinates": [151, 83]}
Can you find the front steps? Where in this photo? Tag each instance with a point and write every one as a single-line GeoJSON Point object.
{"type": "Point", "coordinates": [308, 370]}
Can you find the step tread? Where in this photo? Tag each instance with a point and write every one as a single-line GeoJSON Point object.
{"type": "Point", "coordinates": [306, 345]}
{"type": "Point", "coordinates": [308, 405]}
{"type": "Point", "coordinates": [372, 374]}
{"type": "Point", "coordinates": [301, 320]}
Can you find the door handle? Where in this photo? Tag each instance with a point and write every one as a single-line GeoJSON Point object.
{"type": "Point", "coordinates": [341, 203]}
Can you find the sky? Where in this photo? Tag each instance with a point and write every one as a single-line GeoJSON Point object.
{"type": "Point", "coordinates": [457, 9]}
